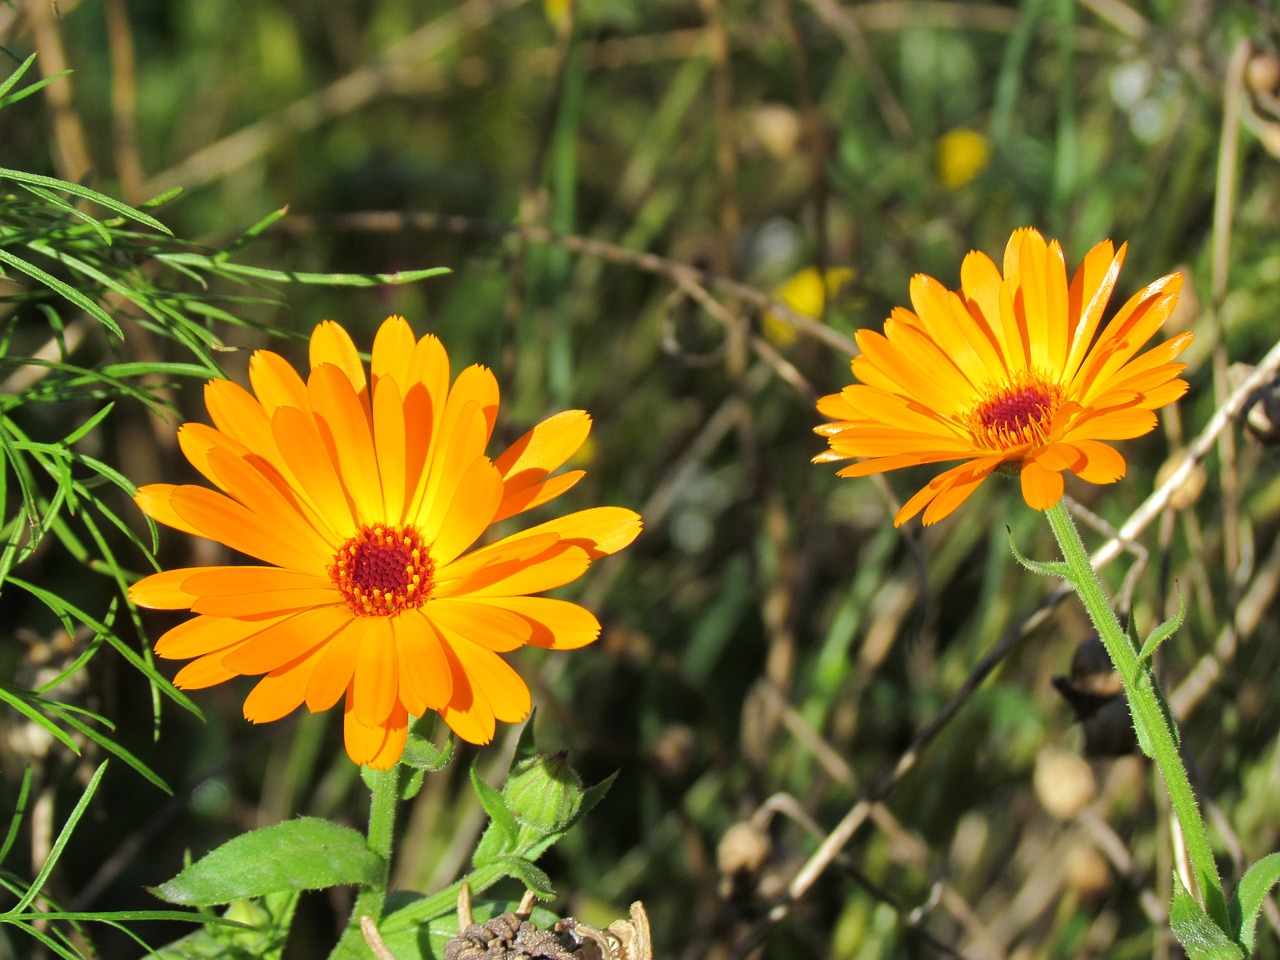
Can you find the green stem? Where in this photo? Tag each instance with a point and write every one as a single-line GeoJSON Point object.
{"type": "Point", "coordinates": [384, 790]}
{"type": "Point", "coordinates": [1146, 709]}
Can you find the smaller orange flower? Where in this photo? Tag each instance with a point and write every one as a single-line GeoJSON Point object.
{"type": "Point", "coordinates": [363, 496]}
{"type": "Point", "coordinates": [1006, 373]}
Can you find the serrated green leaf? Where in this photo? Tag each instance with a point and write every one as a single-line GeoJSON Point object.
{"type": "Point", "coordinates": [1250, 895]}
{"type": "Point", "coordinates": [1200, 937]}
{"type": "Point", "coordinates": [1056, 568]}
{"type": "Point", "coordinates": [302, 854]}
{"type": "Point", "coordinates": [1163, 632]}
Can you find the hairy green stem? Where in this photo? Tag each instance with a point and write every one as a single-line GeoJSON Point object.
{"type": "Point", "coordinates": [384, 789]}
{"type": "Point", "coordinates": [1146, 710]}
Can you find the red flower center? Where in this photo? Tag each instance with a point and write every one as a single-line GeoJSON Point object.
{"type": "Point", "coordinates": [1018, 415]}
{"type": "Point", "coordinates": [383, 570]}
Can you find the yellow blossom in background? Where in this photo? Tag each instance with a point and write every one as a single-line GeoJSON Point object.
{"type": "Point", "coordinates": [362, 495]}
{"type": "Point", "coordinates": [962, 155]}
{"type": "Point", "coordinates": [1006, 372]}
{"type": "Point", "coordinates": [807, 293]}
{"type": "Point", "coordinates": [556, 11]}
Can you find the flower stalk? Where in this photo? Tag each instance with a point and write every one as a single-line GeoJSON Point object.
{"type": "Point", "coordinates": [384, 793]}
{"type": "Point", "coordinates": [1154, 725]}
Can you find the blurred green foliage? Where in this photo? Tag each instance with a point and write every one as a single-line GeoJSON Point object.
{"type": "Point", "coordinates": [772, 646]}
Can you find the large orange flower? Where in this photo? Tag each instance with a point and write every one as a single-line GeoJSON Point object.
{"type": "Point", "coordinates": [362, 498]}
{"type": "Point", "coordinates": [1006, 372]}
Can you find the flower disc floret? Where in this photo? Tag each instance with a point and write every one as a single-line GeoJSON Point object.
{"type": "Point", "coordinates": [382, 571]}
{"type": "Point", "coordinates": [1017, 415]}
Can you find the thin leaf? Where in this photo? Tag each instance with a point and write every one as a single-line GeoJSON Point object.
{"type": "Point", "coordinates": [1251, 894]}
{"type": "Point", "coordinates": [64, 835]}
{"type": "Point", "coordinates": [19, 810]}
{"type": "Point", "coordinates": [1046, 568]}
{"type": "Point", "coordinates": [528, 873]}
{"type": "Point", "coordinates": [67, 291]}
{"type": "Point", "coordinates": [496, 807]}
{"type": "Point", "coordinates": [1163, 632]}
{"type": "Point", "coordinates": [74, 188]}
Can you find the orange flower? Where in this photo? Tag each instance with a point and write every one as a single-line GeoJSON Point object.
{"type": "Point", "coordinates": [1005, 372]}
{"type": "Point", "coordinates": [362, 498]}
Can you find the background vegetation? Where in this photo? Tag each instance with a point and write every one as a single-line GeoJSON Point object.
{"type": "Point", "coordinates": [619, 188]}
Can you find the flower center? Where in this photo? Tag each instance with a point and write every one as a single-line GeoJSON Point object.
{"type": "Point", "coordinates": [1019, 414]}
{"type": "Point", "coordinates": [383, 570]}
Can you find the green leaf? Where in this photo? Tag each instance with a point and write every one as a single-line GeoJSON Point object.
{"type": "Point", "coordinates": [67, 291]}
{"type": "Point", "coordinates": [1163, 632]}
{"type": "Point", "coordinates": [496, 807]}
{"type": "Point", "coordinates": [421, 754]}
{"type": "Point", "coordinates": [1246, 902]}
{"type": "Point", "coordinates": [1200, 937]}
{"type": "Point", "coordinates": [35, 179]}
{"type": "Point", "coordinates": [1057, 568]}
{"type": "Point", "coordinates": [528, 873]}
{"type": "Point", "coordinates": [249, 930]}
{"type": "Point", "coordinates": [303, 854]}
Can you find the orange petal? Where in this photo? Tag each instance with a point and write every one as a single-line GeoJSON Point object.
{"type": "Point", "coordinates": [333, 673]}
{"type": "Point", "coordinates": [600, 530]}
{"type": "Point", "coordinates": [426, 682]}
{"type": "Point", "coordinates": [282, 690]}
{"type": "Point", "coordinates": [277, 535]}
{"type": "Point", "coordinates": [954, 494]}
{"type": "Point", "coordinates": [389, 446]}
{"type": "Point", "coordinates": [557, 624]}
{"type": "Point", "coordinates": [207, 671]}
{"type": "Point", "coordinates": [500, 685]}
{"type": "Point", "coordinates": [1123, 424]}
{"type": "Point", "coordinates": [287, 640]}
{"type": "Point", "coordinates": [307, 459]}
{"type": "Point", "coordinates": [1101, 463]}
{"type": "Point", "coordinates": [560, 564]}
{"type": "Point", "coordinates": [377, 746]}
{"type": "Point", "coordinates": [966, 475]}
{"type": "Point", "coordinates": [461, 440]}
{"type": "Point", "coordinates": [331, 344]}
{"type": "Point", "coordinates": [154, 501]}
{"type": "Point", "coordinates": [197, 440]}
{"type": "Point", "coordinates": [511, 550]}
{"type": "Point", "coordinates": [276, 383]}
{"type": "Point", "coordinates": [1041, 487]}
{"type": "Point", "coordinates": [163, 591]}
{"type": "Point", "coordinates": [468, 713]}
{"type": "Point", "coordinates": [392, 349]}
{"type": "Point", "coordinates": [376, 685]}
{"type": "Point", "coordinates": [477, 384]}
{"type": "Point", "coordinates": [203, 635]}
{"type": "Point", "coordinates": [1087, 298]}
{"type": "Point", "coordinates": [489, 626]}
{"type": "Point", "coordinates": [344, 427]}
{"type": "Point", "coordinates": [471, 508]}
{"type": "Point", "coordinates": [397, 728]}
{"type": "Point", "coordinates": [237, 414]}
{"type": "Point", "coordinates": [535, 495]}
